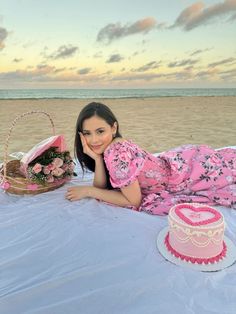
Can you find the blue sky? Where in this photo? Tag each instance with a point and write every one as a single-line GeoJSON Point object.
{"type": "Point", "coordinates": [117, 44]}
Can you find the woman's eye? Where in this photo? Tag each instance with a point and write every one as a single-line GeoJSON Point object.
{"type": "Point", "coordinates": [85, 134]}
{"type": "Point", "coordinates": [100, 131]}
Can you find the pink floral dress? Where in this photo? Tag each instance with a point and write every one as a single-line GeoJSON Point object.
{"type": "Point", "coordinates": [190, 173]}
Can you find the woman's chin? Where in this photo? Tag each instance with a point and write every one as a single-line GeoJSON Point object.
{"type": "Point", "coordinates": [98, 150]}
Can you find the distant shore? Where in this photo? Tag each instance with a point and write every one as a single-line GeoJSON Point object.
{"type": "Point", "coordinates": [156, 124]}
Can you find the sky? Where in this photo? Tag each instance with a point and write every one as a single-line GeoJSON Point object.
{"type": "Point", "coordinates": [117, 44]}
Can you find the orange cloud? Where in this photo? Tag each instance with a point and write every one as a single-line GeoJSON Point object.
{"type": "Point", "coordinates": [196, 14]}
{"type": "Point", "coordinates": [115, 31]}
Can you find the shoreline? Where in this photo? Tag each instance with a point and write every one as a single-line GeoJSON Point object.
{"type": "Point", "coordinates": [114, 98]}
{"type": "Point", "coordinates": [155, 123]}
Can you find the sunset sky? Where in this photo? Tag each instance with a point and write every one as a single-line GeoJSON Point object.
{"type": "Point", "coordinates": [117, 44]}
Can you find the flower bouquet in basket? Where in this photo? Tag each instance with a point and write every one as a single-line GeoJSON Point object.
{"type": "Point", "coordinates": [47, 166]}
{"type": "Point", "coordinates": [51, 166]}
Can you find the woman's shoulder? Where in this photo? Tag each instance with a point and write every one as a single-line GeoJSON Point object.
{"type": "Point", "coordinates": [119, 145]}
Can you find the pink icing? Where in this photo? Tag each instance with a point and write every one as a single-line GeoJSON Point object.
{"type": "Point", "coordinates": [197, 216]}
{"type": "Point", "coordinates": [197, 260]}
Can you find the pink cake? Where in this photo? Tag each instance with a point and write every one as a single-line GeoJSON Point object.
{"type": "Point", "coordinates": [196, 233]}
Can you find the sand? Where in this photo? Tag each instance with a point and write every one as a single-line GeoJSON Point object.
{"type": "Point", "coordinates": [156, 124]}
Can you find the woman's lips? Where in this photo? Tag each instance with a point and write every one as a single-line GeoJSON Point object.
{"type": "Point", "coordinates": [96, 146]}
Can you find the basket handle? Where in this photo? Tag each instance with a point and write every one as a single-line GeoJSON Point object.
{"type": "Point", "coordinates": [11, 129]}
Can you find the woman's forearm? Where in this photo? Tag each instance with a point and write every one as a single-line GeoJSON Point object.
{"type": "Point", "coordinates": [100, 180]}
{"type": "Point", "coordinates": [110, 196]}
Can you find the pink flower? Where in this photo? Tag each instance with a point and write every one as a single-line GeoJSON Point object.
{"type": "Point", "coordinates": [51, 167]}
{"type": "Point", "coordinates": [57, 162]}
{"type": "Point", "coordinates": [71, 166]}
{"type": "Point", "coordinates": [57, 172]}
{"type": "Point", "coordinates": [125, 156]}
{"type": "Point", "coordinates": [175, 166]}
{"type": "Point", "coordinates": [37, 168]}
{"type": "Point", "coordinates": [65, 167]}
{"type": "Point", "coordinates": [213, 174]}
{"type": "Point", "coordinates": [46, 170]}
{"type": "Point", "coordinates": [50, 179]}
{"type": "Point", "coordinates": [214, 160]}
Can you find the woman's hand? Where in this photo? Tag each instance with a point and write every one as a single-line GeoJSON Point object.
{"type": "Point", "coordinates": [88, 151]}
{"type": "Point", "coordinates": [77, 193]}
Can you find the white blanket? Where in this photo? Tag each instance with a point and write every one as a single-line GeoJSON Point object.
{"type": "Point", "coordinates": [87, 257]}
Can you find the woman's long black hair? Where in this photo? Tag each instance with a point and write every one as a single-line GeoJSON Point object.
{"type": "Point", "coordinates": [103, 112]}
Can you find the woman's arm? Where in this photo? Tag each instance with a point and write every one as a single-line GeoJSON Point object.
{"type": "Point", "coordinates": [100, 180]}
{"type": "Point", "coordinates": [128, 196]}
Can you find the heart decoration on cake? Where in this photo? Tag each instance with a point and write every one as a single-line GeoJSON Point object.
{"type": "Point", "coordinates": [197, 216]}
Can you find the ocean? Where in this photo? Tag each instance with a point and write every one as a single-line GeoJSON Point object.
{"type": "Point", "coordinates": [112, 93]}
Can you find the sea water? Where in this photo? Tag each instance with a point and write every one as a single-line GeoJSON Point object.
{"type": "Point", "coordinates": [112, 93]}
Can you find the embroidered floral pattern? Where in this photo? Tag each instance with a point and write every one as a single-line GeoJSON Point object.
{"type": "Point", "coordinates": [190, 173]}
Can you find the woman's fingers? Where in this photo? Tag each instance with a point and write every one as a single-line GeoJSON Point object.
{"type": "Point", "coordinates": [70, 196]}
{"type": "Point", "coordinates": [83, 141]}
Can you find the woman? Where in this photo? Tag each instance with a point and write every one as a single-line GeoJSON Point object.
{"type": "Point", "coordinates": [127, 176]}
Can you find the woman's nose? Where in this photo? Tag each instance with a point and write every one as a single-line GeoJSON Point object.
{"type": "Point", "coordinates": [94, 138]}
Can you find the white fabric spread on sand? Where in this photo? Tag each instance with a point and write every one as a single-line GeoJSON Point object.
{"type": "Point", "coordinates": [88, 257]}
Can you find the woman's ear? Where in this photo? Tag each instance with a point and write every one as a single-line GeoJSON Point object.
{"type": "Point", "coordinates": [114, 128]}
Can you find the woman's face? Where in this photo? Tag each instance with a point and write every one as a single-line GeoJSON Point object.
{"type": "Point", "coordinates": [98, 133]}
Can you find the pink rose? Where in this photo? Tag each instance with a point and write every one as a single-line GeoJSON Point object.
{"type": "Point", "coordinates": [50, 179]}
{"type": "Point", "coordinates": [46, 170]}
{"type": "Point", "coordinates": [57, 172]}
{"type": "Point", "coordinates": [65, 167]}
{"type": "Point", "coordinates": [37, 168]}
{"type": "Point", "coordinates": [51, 167]}
{"type": "Point", "coordinates": [57, 162]}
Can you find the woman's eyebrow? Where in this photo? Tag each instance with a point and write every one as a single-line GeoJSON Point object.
{"type": "Point", "coordinates": [101, 128]}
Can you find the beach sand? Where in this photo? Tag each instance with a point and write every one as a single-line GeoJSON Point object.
{"type": "Point", "coordinates": [156, 124]}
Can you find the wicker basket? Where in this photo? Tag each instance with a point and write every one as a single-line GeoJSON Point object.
{"type": "Point", "coordinates": [11, 179]}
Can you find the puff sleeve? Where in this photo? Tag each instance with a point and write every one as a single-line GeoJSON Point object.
{"type": "Point", "coordinates": [124, 161]}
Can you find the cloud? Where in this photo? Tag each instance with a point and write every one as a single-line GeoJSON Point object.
{"type": "Point", "coordinates": [207, 74]}
{"type": "Point", "coordinates": [115, 58]}
{"type": "Point", "coordinates": [229, 75]}
{"type": "Point", "coordinates": [149, 66]}
{"type": "Point", "coordinates": [34, 75]}
{"type": "Point", "coordinates": [84, 71]}
{"type": "Point", "coordinates": [115, 31]}
{"type": "Point", "coordinates": [3, 35]}
{"type": "Point", "coordinates": [196, 14]}
{"type": "Point", "coordinates": [198, 51]}
{"type": "Point", "coordinates": [224, 61]}
{"type": "Point", "coordinates": [182, 63]}
{"type": "Point", "coordinates": [16, 60]}
{"type": "Point", "coordinates": [63, 52]}
{"type": "Point", "coordinates": [59, 70]}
